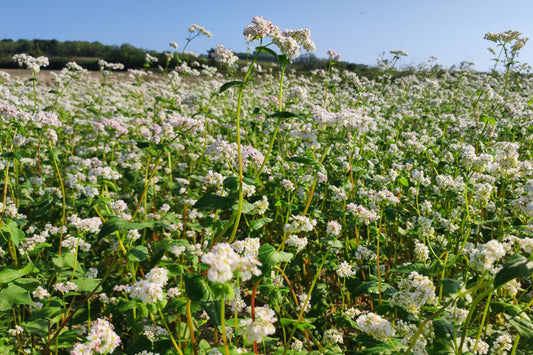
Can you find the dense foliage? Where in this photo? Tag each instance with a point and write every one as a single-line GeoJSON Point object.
{"type": "Point", "coordinates": [266, 212]}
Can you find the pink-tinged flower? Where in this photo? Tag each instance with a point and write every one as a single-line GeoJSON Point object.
{"type": "Point", "coordinates": [100, 340]}
{"type": "Point", "coordinates": [259, 28]}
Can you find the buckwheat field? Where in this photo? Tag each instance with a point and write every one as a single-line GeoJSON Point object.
{"type": "Point", "coordinates": [241, 209]}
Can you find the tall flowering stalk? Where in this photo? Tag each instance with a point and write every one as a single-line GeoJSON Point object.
{"type": "Point", "coordinates": [504, 40]}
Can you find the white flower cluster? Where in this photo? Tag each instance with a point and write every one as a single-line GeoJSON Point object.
{"type": "Point", "coordinates": [73, 243]}
{"type": "Point", "coordinates": [502, 344]}
{"type": "Point", "coordinates": [40, 293]}
{"type": "Point", "coordinates": [65, 287]}
{"type": "Point", "coordinates": [256, 330]}
{"type": "Point", "coordinates": [105, 65]}
{"type": "Point", "coordinates": [485, 255]}
{"type": "Point", "coordinates": [260, 206]}
{"type": "Point", "coordinates": [183, 123]}
{"type": "Point", "coordinates": [407, 332]}
{"type": "Point", "coordinates": [30, 243]}
{"type": "Point", "coordinates": [415, 291]}
{"type": "Point", "coordinates": [237, 303]}
{"type": "Point", "coordinates": [224, 262]}
{"type": "Point", "coordinates": [345, 270]}
{"type": "Point", "coordinates": [333, 228]}
{"type": "Point", "coordinates": [421, 252]}
{"type": "Point", "coordinates": [248, 247]}
{"type": "Point", "coordinates": [153, 333]}
{"type": "Point", "coordinates": [101, 339]}
{"type": "Point", "coordinates": [398, 52]}
{"type": "Point", "coordinates": [150, 290]}
{"type": "Point", "coordinates": [349, 118]}
{"type": "Point", "coordinates": [362, 214]}
{"type": "Point", "coordinates": [508, 37]}
{"type": "Point", "coordinates": [375, 326]}
{"type": "Point", "coordinates": [363, 253]}
{"type": "Point", "coordinates": [225, 152]}
{"type": "Point", "coordinates": [289, 42]}
{"type": "Point", "coordinates": [104, 172]}
{"type": "Point", "coordinates": [298, 243]}
{"type": "Point", "coordinates": [225, 56]}
{"type": "Point", "coordinates": [382, 196]}
{"type": "Point", "coordinates": [333, 336]}
{"type": "Point", "coordinates": [42, 118]}
{"type": "Point", "coordinates": [213, 178]}
{"type": "Point", "coordinates": [32, 63]}
{"type": "Point", "coordinates": [304, 298]}
{"type": "Point", "coordinates": [299, 224]}
{"type": "Point", "coordinates": [91, 225]}
{"type": "Point", "coordinates": [455, 315]}
{"type": "Point", "coordinates": [16, 331]}
{"type": "Point", "coordinates": [333, 55]}
{"type": "Point", "coordinates": [200, 29]}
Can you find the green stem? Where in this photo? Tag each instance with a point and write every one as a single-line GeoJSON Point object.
{"type": "Point", "coordinates": [239, 149]}
{"type": "Point", "coordinates": [223, 325]}
{"type": "Point", "coordinates": [168, 330]}
{"type": "Point", "coordinates": [481, 325]}
{"type": "Point", "coordinates": [63, 198]}
{"type": "Point", "coordinates": [304, 304]}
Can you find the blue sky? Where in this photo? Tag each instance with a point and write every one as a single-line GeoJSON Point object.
{"type": "Point", "coordinates": [451, 30]}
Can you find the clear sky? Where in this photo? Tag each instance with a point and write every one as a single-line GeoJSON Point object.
{"type": "Point", "coordinates": [451, 30]}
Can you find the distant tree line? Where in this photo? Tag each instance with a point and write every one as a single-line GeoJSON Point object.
{"type": "Point", "coordinates": [84, 53]}
{"type": "Point", "coordinates": [87, 55]}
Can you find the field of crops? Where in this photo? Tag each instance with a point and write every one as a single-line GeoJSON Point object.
{"type": "Point", "coordinates": [250, 211]}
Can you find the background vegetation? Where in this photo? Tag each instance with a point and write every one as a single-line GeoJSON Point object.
{"type": "Point", "coordinates": [87, 55]}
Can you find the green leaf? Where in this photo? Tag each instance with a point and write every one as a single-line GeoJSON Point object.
{"type": "Point", "coordinates": [266, 50]}
{"type": "Point", "coordinates": [301, 325]}
{"type": "Point", "coordinates": [47, 312]}
{"type": "Point", "coordinates": [115, 223]}
{"type": "Point", "coordinates": [38, 327]}
{"type": "Point", "coordinates": [13, 296]}
{"type": "Point", "coordinates": [450, 287]}
{"type": "Point", "coordinates": [196, 288]}
{"type": "Point", "coordinates": [30, 268]}
{"type": "Point", "coordinates": [523, 327]}
{"type": "Point", "coordinates": [138, 253]}
{"type": "Point", "coordinates": [308, 161]}
{"type": "Point", "coordinates": [232, 183]}
{"type": "Point", "coordinates": [175, 269]}
{"type": "Point", "coordinates": [269, 257]}
{"type": "Point", "coordinates": [99, 201]}
{"type": "Point", "coordinates": [212, 308]}
{"type": "Point", "coordinates": [370, 287]}
{"type": "Point", "coordinates": [247, 207]}
{"type": "Point", "coordinates": [65, 260]}
{"type": "Point", "coordinates": [87, 285]}
{"type": "Point", "coordinates": [518, 266]}
{"type": "Point", "coordinates": [259, 223]}
{"type": "Point", "coordinates": [381, 349]}
{"type": "Point", "coordinates": [332, 242]}
{"type": "Point", "coordinates": [12, 155]}
{"type": "Point", "coordinates": [54, 153]}
{"type": "Point", "coordinates": [285, 114]}
{"type": "Point", "coordinates": [222, 290]}
{"type": "Point", "coordinates": [214, 202]}
{"type": "Point", "coordinates": [29, 284]}
{"type": "Point", "coordinates": [8, 275]}
{"type": "Point", "coordinates": [409, 268]}
{"type": "Point", "coordinates": [231, 84]}
{"type": "Point", "coordinates": [487, 119]}
{"type": "Point", "coordinates": [15, 234]}
{"type": "Point", "coordinates": [403, 181]}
